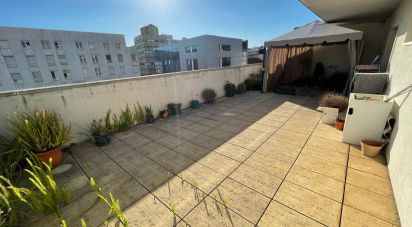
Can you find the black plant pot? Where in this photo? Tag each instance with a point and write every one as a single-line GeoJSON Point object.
{"type": "Point", "coordinates": [175, 109]}
{"type": "Point", "coordinates": [102, 140]}
{"type": "Point", "coordinates": [150, 120]}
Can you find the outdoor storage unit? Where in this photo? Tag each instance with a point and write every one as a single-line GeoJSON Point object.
{"type": "Point", "coordinates": [365, 118]}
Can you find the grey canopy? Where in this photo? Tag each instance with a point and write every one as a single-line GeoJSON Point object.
{"type": "Point", "coordinates": [316, 32]}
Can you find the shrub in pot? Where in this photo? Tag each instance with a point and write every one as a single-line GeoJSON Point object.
{"type": "Point", "coordinates": [230, 89]}
{"type": "Point", "coordinates": [100, 132]}
{"type": "Point", "coordinates": [332, 104]}
{"type": "Point", "coordinates": [209, 95]}
{"type": "Point", "coordinates": [174, 108]}
{"type": "Point", "coordinates": [194, 104]}
{"type": "Point", "coordinates": [241, 88]}
{"type": "Point", "coordinates": [41, 132]}
{"type": "Point", "coordinates": [149, 114]}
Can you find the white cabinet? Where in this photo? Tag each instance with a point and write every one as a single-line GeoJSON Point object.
{"type": "Point", "coordinates": [365, 118]}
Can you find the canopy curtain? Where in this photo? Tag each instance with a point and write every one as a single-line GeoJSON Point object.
{"type": "Point", "coordinates": [285, 64]}
{"type": "Point", "coordinates": [354, 52]}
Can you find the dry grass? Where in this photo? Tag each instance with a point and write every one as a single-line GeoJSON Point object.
{"type": "Point", "coordinates": [333, 100]}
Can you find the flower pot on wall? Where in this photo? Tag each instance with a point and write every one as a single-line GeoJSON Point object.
{"type": "Point", "coordinates": [371, 148]}
{"type": "Point", "coordinates": [55, 154]}
{"type": "Point", "coordinates": [329, 115]}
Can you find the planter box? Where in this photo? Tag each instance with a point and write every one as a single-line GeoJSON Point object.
{"type": "Point", "coordinates": [329, 115]}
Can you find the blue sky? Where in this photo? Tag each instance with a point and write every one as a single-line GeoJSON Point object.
{"type": "Point", "coordinates": [256, 20]}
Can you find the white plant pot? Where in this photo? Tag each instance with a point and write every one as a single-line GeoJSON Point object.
{"type": "Point", "coordinates": [329, 115]}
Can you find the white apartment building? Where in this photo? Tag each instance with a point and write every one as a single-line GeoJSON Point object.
{"type": "Point", "coordinates": [203, 52]}
{"type": "Point", "coordinates": [39, 57]}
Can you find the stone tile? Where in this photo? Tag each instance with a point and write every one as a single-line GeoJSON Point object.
{"type": "Point", "coordinates": [198, 128]}
{"type": "Point", "coordinates": [124, 134]}
{"type": "Point", "coordinates": [290, 137]}
{"type": "Point", "coordinates": [207, 142]}
{"type": "Point", "coordinates": [185, 134]}
{"type": "Point", "coordinates": [327, 132]}
{"type": "Point", "coordinates": [321, 166]}
{"type": "Point", "coordinates": [192, 151]}
{"type": "Point", "coordinates": [256, 179]}
{"type": "Point", "coordinates": [356, 151]}
{"type": "Point", "coordinates": [281, 216]}
{"type": "Point", "coordinates": [219, 163]}
{"type": "Point", "coordinates": [212, 213]}
{"type": "Point", "coordinates": [263, 128]}
{"type": "Point", "coordinates": [271, 121]}
{"type": "Point", "coordinates": [320, 208]}
{"type": "Point", "coordinates": [152, 150]}
{"type": "Point", "coordinates": [170, 141]}
{"type": "Point", "coordinates": [279, 150]}
{"type": "Point", "coordinates": [173, 161]}
{"type": "Point", "coordinates": [234, 152]}
{"type": "Point", "coordinates": [182, 196]}
{"type": "Point", "coordinates": [153, 133]}
{"type": "Point", "coordinates": [220, 134]}
{"type": "Point", "coordinates": [355, 218]}
{"type": "Point", "coordinates": [238, 122]}
{"type": "Point", "coordinates": [371, 203]}
{"type": "Point", "coordinates": [115, 147]}
{"type": "Point", "coordinates": [327, 155]}
{"type": "Point", "coordinates": [201, 177]}
{"type": "Point", "coordinates": [209, 122]}
{"type": "Point", "coordinates": [319, 143]}
{"type": "Point", "coordinates": [370, 182]}
{"type": "Point", "coordinates": [250, 139]}
{"type": "Point", "coordinates": [246, 202]}
{"type": "Point", "coordinates": [271, 166]}
{"type": "Point", "coordinates": [375, 167]}
{"type": "Point", "coordinates": [136, 141]}
{"type": "Point", "coordinates": [315, 182]}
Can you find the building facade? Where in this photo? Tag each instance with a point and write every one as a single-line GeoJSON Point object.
{"type": "Point", "coordinates": [202, 52]}
{"type": "Point", "coordinates": [39, 57]}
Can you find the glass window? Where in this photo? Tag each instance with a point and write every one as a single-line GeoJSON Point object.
{"type": "Point", "coordinates": [95, 59]}
{"type": "Point", "coordinates": [224, 47]}
{"type": "Point", "coordinates": [194, 48]}
{"type": "Point", "coordinates": [188, 49]}
{"type": "Point", "coordinates": [118, 46]}
{"type": "Point", "coordinates": [55, 74]}
{"type": "Point", "coordinates": [37, 76]}
{"type": "Point", "coordinates": [120, 58]}
{"type": "Point", "coordinates": [195, 64]}
{"type": "Point", "coordinates": [106, 46]}
{"type": "Point", "coordinates": [92, 46]}
{"type": "Point", "coordinates": [97, 71]}
{"type": "Point", "coordinates": [45, 44]}
{"type": "Point", "coordinates": [10, 61]}
{"type": "Point", "coordinates": [79, 45]}
{"type": "Point", "coordinates": [25, 43]}
{"type": "Point", "coordinates": [189, 64]}
{"type": "Point", "coordinates": [67, 75]}
{"type": "Point", "coordinates": [109, 58]}
{"type": "Point", "coordinates": [112, 72]}
{"type": "Point", "coordinates": [17, 78]}
{"type": "Point", "coordinates": [62, 59]}
{"type": "Point", "coordinates": [31, 60]}
{"type": "Point", "coordinates": [122, 70]}
{"type": "Point", "coordinates": [58, 44]}
{"type": "Point", "coordinates": [134, 58]}
{"type": "Point", "coordinates": [225, 62]}
{"type": "Point", "coordinates": [50, 60]}
{"type": "Point", "coordinates": [82, 59]}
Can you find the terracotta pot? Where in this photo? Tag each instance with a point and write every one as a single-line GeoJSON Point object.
{"type": "Point", "coordinates": [165, 114]}
{"type": "Point", "coordinates": [55, 154]}
{"type": "Point", "coordinates": [339, 124]}
{"type": "Point", "coordinates": [371, 148]}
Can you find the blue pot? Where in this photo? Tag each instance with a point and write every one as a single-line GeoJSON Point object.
{"type": "Point", "coordinates": [102, 140]}
{"type": "Point", "coordinates": [150, 120]}
{"type": "Point", "coordinates": [194, 104]}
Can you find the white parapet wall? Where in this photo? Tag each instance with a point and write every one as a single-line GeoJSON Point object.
{"type": "Point", "coordinates": [80, 103]}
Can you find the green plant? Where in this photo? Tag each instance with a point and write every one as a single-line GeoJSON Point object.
{"type": "Point", "coordinates": [252, 82]}
{"type": "Point", "coordinates": [334, 100]}
{"type": "Point", "coordinates": [241, 88]}
{"type": "Point", "coordinates": [209, 95]}
{"type": "Point", "coordinates": [10, 156]}
{"type": "Point", "coordinates": [124, 121]}
{"type": "Point", "coordinates": [40, 131]}
{"type": "Point", "coordinates": [230, 89]}
{"type": "Point", "coordinates": [138, 114]}
{"type": "Point", "coordinates": [108, 120]}
{"type": "Point", "coordinates": [98, 128]}
{"type": "Point", "coordinates": [149, 111]}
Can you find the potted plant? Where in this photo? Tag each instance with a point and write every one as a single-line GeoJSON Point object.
{"type": "Point", "coordinates": [164, 114]}
{"type": "Point", "coordinates": [241, 88]}
{"type": "Point", "coordinates": [174, 108]}
{"type": "Point", "coordinates": [209, 95]}
{"type": "Point", "coordinates": [230, 89]}
{"type": "Point", "coordinates": [339, 124]}
{"type": "Point", "coordinates": [149, 114]}
{"type": "Point", "coordinates": [331, 104]}
{"type": "Point", "coordinates": [42, 133]}
{"type": "Point", "coordinates": [100, 133]}
{"type": "Point", "coordinates": [194, 104]}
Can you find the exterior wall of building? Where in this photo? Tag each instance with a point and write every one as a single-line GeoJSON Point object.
{"type": "Point", "coordinates": [81, 103]}
{"type": "Point", "coordinates": [91, 44]}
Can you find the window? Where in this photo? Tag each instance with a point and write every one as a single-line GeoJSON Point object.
{"type": "Point", "coordinates": [58, 44]}
{"type": "Point", "coordinates": [62, 59]}
{"type": "Point", "coordinates": [82, 59]}
{"type": "Point", "coordinates": [192, 64]}
{"type": "Point", "coordinates": [195, 64]}
{"type": "Point", "coordinates": [95, 59]}
{"type": "Point", "coordinates": [109, 58]}
{"type": "Point", "coordinates": [31, 60]}
{"type": "Point", "coordinates": [86, 73]}
{"type": "Point", "coordinates": [189, 64]}
{"type": "Point", "coordinates": [118, 46]}
{"type": "Point", "coordinates": [188, 49]}
{"type": "Point", "coordinates": [97, 71]}
{"type": "Point", "coordinates": [92, 46]}
{"type": "Point", "coordinates": [17, 78]}
{"type": "Point", "coordinates": [225, 62]}
{"type": "Point", "coordinates": [134, 58]}
{"type": "Point", "coordinates": [4, 44]}
{"type": "Point", "coordinates": [120, 58]}
{"type": "Point", "coordinates": [10, 61]}
{"type": "Point", "coordinates": [50, 60]}
{"type": "Point", "coordinates": [55, 74]}
{"type": "Point", "coordinates": [224, 47]}
{"type": "Point", "coordinates": [37, 76]}
{"type": "Point", "coordinates": [122, 70]}
{"type": "Point", "coordinates": [25, 43]}
{"type": "Point", "coordinates": [106, 46]}
{"type": "Point", "coordinates": [67, 75]}
{"type": "Point", "coordinates": [79, 45]}
{"type": "Point", "coordinates": [194, 48]}
{"type": "Point", "coordinates": [45, 44]}
{"type": "Point", "coordinates": [112, 72]}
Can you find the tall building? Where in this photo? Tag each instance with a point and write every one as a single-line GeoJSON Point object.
{"type": "Point", "coordinates": [40, 57]}
{"type": "Point", "coordinates": [202, 52]}
{"type": "Point", "coordinates": [144, 47]}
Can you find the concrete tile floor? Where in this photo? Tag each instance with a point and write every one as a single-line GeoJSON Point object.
{"type": "Point", "coordinates": [254, 159]}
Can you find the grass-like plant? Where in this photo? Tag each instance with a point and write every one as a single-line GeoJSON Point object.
{"type": "Point", "coordinates": [98, 128]}
{"type": "Point", "coordinates": [40, 131]}
{"type": "Point", "coordinates": [10, 157]}
{"type": "Point", "coordinates": [138, 115]}
{"type": "Point", "coordinates": [149, 111]}
{"type": "Point", "coordinates": [124, 121]}
{"type": "Point", "coordinates": [334, 100]}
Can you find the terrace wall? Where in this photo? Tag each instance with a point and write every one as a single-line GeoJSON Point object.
{"type": "Point", "coordinates": [81, 103]}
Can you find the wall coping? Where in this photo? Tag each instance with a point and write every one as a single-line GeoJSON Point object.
{"type": "Point", "coordinates": [109, 81]}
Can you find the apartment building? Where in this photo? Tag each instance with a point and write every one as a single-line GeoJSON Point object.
{"type": "Point", "coordinates": [41, 57]}
{"type": "Point", "coordinates": [202, 52]}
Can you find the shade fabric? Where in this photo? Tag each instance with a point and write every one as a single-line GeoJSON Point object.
{"type": "Point", "coordinates": [316, 32]}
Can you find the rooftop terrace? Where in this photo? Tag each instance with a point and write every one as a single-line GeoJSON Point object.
{"type": "Point", "coordinates": [254, 159]}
